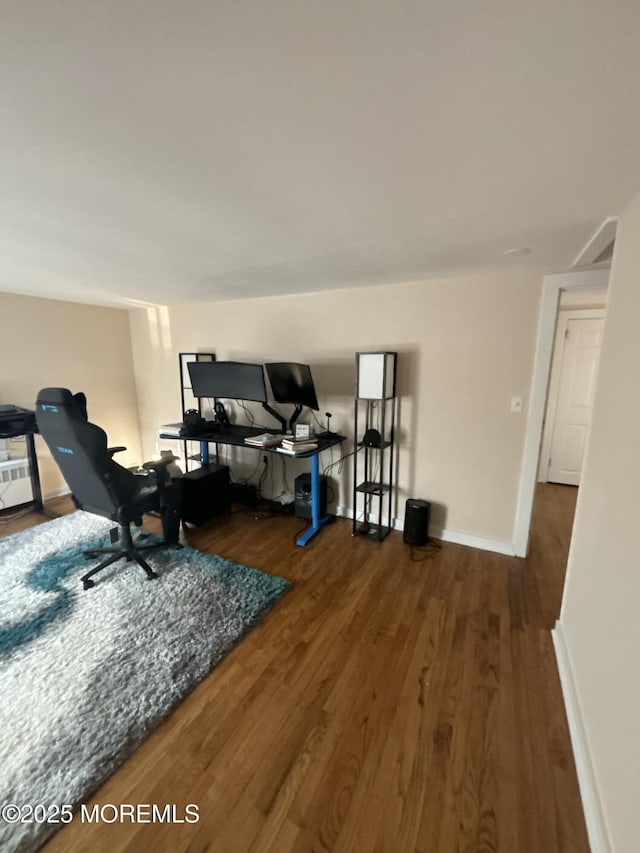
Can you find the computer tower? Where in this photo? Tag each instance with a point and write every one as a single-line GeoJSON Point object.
{"type": "Point", "coordinates": [302, 492]}
{"type": "Point", "coordinates": [206, 494]}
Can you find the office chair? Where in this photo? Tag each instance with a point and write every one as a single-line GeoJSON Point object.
{"type": "Point", "coordinates": [100, 486]}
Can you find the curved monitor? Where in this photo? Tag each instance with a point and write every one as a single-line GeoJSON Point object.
{"type": "Point", "coordinates": [292, 383]}
{"type": "Point", "coordinates": [232, 380]}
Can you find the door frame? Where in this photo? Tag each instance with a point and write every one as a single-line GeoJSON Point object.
{"type": "Point", "coordinates": [564, 315]}
{"type": "Point", "coordinates": [552, 285]}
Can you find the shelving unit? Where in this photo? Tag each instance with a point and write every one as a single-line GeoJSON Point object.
{"type": "Point", "coordinates": [187, 400]}
{"type": "Point", "coordinates": [374, 427]}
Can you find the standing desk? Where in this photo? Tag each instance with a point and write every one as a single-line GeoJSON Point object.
{"type": "Point", "coordinates": [235, 438]}
{"type": "Point", "coordinates": [14, 423]}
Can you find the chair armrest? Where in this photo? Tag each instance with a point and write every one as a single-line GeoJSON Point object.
{"type": "Point", "coordinates": [159, 468]}
{"type": "Point", "coordinates": [157, 465]}
{"type": "Point", "coordinates": [112, 450]}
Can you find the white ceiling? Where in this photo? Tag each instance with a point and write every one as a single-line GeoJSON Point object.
{"type": "Point", "coordinates": [182, 150]}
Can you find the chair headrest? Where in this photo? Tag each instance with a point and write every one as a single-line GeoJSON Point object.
{"type": "Point", "coordinates": [62, 398]}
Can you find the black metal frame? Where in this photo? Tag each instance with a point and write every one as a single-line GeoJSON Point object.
{"type": "Point", "coordinates": [381, 486]}
{"type": "Point", "coordinates": [196, 356]}
{"type": "Point", "coordinates": [21, 422]}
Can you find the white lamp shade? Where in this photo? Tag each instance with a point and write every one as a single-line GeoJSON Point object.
{"type": "Point", "coordinates": [375, 375]}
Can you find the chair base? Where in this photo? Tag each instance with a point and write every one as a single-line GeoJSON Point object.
{"type": "Point", "coordinates": [128, 551]}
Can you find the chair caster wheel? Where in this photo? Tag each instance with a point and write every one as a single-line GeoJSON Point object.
{"type": "Point", "coordinates": [152, 576]}
{"type": "Point", "coordinates": [88, 583]}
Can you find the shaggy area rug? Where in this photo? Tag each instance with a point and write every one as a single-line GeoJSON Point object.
{"type": "Point", "coordinates": [86, 675]}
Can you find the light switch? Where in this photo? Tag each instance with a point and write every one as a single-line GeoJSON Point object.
{"type": "Point", "coordinates": [516, 404]}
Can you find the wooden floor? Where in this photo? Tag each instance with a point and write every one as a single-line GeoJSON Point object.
{"type": "Point", "coordinates": [386, 704]}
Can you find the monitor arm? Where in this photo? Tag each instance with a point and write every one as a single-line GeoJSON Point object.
{"type": "Point", "coordinates": [276, 415]}
{"type": "Point", "coordinates": [294, 417]}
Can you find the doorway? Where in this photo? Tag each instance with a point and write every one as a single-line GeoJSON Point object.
{"type": "Point", "coordinates": [577, 284]}
{"type": "Point", "coordinates": [573, 376]}
{"type": "Point", "coordinates": [576, 355]}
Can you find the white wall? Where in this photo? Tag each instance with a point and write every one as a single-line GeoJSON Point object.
{"type": "Point", "coordinates": [46, 342]}
{"type": "Point", "coordinates": [599, 620]}
{"type": "Point", "coordinates": [465, 348]}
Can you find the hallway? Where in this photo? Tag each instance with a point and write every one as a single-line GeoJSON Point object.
{"type": "Point", "coordinates": [551, 527]}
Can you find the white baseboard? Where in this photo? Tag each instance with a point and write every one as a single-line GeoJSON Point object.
{"type": "Point", "coordinates": [594, 818]}
{"type": "Point", "coordinates": [498, 546]}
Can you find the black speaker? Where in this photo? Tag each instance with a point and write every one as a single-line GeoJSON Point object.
{"type": "Point", "coordinates": [302, 491]}
{"type": "Point", "coordinates": [416, 522]}
{"type": "Point", "coordinates": [372, 438]}
{"type": "Point", "coordinates": [206, 493]}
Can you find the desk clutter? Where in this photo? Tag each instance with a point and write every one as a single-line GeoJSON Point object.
{"type": "Point", "coordinates": [286, 444]}
{"type": "Point", "coordinates": [265, 439]}
{"type": "Point", "coordinates": [294, 446]}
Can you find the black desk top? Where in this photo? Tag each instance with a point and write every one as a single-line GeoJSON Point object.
{"type": "Point", "coordinates": [236, 431]}
{"type": "Point", "coordinates": [15, 421]}
{"type": "Point", "coordinates": [238, 440]}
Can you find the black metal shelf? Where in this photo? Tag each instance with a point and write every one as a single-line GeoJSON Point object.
{"type": "Point", "coordinates": [372, 531]}
{"type": "Point", "coordinates": [373, 466]}
{"type": "Point", "coordinates": [382, 446]}
{"type": "Point", "coordinates": [187, 399]}
{"type": "Point", "coordinates": [372, 487]}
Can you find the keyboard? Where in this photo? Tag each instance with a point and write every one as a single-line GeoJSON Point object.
{"type": "Point", "coordinates": [240, 431]}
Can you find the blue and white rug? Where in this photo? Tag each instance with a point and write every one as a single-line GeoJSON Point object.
{"type": "Point", "coordinates": [86, 675]}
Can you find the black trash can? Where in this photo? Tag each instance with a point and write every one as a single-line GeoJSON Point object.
{"type": "Point", "coordinates": [416, 522]}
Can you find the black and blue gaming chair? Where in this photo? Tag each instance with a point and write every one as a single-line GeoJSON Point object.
{"type": "Point", "coordinates": [99, 485]}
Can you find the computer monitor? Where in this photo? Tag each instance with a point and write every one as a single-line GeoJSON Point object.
{"type": "Point", "coordinates": [232, 380]}
{"type": "Point", "coordinates": [292, 383]}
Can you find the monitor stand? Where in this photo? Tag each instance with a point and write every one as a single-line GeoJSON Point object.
{"type": "Point", "coordinates": [277, 416]}
{"type": "Point", "coordinates": [294, 417]}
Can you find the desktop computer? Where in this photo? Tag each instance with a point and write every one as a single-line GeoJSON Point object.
{"type": "Point", "coordinates": [206, 493]}
{"type": "Point", "coordinates": [302, 492]}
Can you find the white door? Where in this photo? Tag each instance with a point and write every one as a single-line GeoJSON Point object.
{"type": "Point", "coordinates": [576, 385]}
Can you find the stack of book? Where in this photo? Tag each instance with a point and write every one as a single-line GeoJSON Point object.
{"type": "Point", "coordinates": [266, 439]}
{"type": "Point", "coordinates": [292, 446]}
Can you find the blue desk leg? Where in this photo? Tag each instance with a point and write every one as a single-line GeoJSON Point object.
{"type": "Point", "coordinates": [316, 521]}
